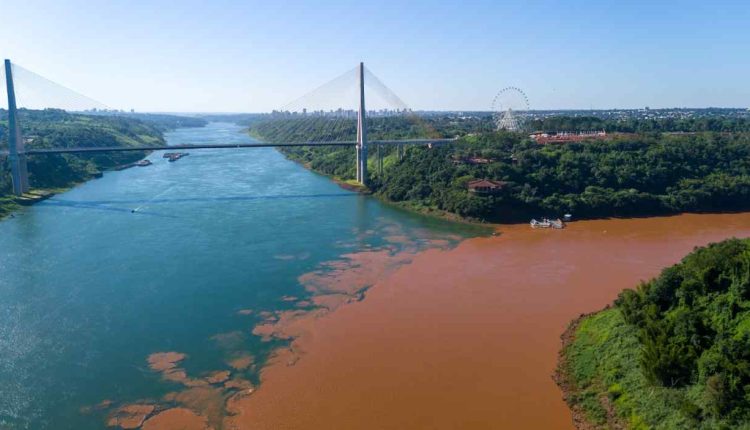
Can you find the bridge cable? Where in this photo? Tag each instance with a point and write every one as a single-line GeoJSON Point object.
{"type": "Point", "coordinates": [34, 91]}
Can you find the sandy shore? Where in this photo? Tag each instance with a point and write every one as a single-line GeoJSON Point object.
{"type": "Point", "coordinates": [468, 337]}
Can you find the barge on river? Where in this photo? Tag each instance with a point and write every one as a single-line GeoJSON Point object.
{"type": "Point", "coordinates": [174, 156]}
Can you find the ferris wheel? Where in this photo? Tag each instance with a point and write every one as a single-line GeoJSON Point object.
{"type": "Point", "coordinates": [510, 107]}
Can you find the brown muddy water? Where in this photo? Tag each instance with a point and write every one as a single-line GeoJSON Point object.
{"type": "Point", "coordinates": [464, 337]}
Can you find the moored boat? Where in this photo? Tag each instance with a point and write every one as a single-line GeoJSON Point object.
{"type": "Point", "coordinates": [547, 223]}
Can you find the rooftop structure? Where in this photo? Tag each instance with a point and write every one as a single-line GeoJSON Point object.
{"type": "Point", "coordinates": [485, 186]}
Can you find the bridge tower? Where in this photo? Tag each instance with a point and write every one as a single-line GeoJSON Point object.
{"type": "Point", "coordinates": [16, 151]}
{"type": "Point", "coordinates": [361, 130]}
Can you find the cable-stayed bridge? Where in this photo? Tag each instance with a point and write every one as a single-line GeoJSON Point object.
{"type": "Point", "coordinates": [323, 112]}
{"type": "Point", "coordinates": [95, 149]}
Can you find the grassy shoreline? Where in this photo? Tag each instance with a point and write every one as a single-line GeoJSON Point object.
{"type": "Point", "coordinates": [602, 382]}
{"type": "Point", "coordinates": [672, 354]}
{"type": "Point", "coordinates": [10, 205]}
{"type": "Point", "coordinates": [583, 391]}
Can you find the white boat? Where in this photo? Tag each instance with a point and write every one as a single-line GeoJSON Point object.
{"type": "Point", "coordinates": [558, 224]}
{"type": "Point", "coordinates": [547, 223]}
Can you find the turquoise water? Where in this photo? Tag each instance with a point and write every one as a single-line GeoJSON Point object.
{"type": "Point", "coordinates": [161, 258]}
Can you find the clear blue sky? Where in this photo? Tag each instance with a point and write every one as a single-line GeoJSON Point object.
{"type": "Point", "coordinates": [258, 55]}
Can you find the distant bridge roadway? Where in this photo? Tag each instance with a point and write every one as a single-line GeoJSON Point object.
{"type": "Point", "coordinates": [82, 150]}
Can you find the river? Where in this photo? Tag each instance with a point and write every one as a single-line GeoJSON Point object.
{"type": "Point", "coordinates": [237, 290]}
{"type": "Point", "coordinates": [467, 338]}
{"type": "Point", "coordinates": [181, 257]}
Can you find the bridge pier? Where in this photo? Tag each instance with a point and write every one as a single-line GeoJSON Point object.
{"type": "Point", "coordinates": [16, 151]}
{"type": "Point", "coordinates": [19, 174]}
{"type": "Point", "coordinates": [361, 130]}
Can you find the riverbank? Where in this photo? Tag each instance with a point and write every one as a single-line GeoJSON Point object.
{"type": "Point", "coordinates": [670, 354]}
{"type": "Point", "coordinates": [589, 412]}
{"type": "Point", "coordinates": [11, 204]}
{"type": "Point", "coordinates": [519, 217]}
{"type": "Point", "coordinates": [468, 337]}
{"type": "Point", "coordinates": [352, 185]}
{"type": "Point", "coordinates": [595, 180]}
{"type": "Point", "coordinates": [441, 214]}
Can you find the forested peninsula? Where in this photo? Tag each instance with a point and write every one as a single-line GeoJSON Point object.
{"type": "Point", "coordinates": [642, 167]}
{"type": "Point", "coordinates": [673, 353]}
{"type": "Point", "coordinates": [53, 128]}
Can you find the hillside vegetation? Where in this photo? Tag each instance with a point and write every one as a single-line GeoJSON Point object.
{"type": "Point", "coordinates": [58, 129]}
{"type": "Point", "coordinates": [628, 175]}
{"type": "Point", "coordinates": [673, 353]}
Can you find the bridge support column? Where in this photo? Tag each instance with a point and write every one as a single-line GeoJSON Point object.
{"type": "Point", "coordinates": [19, 174]}
{"type": "Point", "coordinates": [361, 130]}
{"type": "Point", "coordinates": [16, 151]}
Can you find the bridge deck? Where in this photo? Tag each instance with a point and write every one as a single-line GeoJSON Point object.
{"type": "Point", "coordinates": [42, 151]}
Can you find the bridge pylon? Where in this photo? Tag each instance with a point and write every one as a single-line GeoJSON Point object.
{"type": "Point", "coordinates": [362, 130]}
{"type": "Point", "coordinates": [16, 150]}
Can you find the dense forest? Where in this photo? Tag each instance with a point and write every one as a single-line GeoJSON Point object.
{"type": "Point", "coordinates": [54, 128]}
{"type": "Point", "coordinates": [675, 352]}
{"type": "Point", "coordinates": [625, 175]}
{"type": "Point", "coordinates": [717, 124]}
{"type": "Point", "coordinates": [457, 125]}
